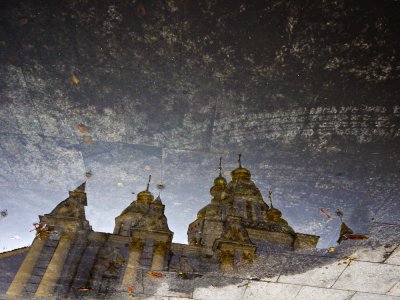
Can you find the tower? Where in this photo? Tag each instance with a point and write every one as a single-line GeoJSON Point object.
{"type": "Point", "coordinates": [58, 232]}
{"type": "Point", "coordinates": [144, 222]}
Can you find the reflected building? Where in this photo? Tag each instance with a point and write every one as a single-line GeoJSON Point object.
{"type": "Point", "coordinates": [67, 258]}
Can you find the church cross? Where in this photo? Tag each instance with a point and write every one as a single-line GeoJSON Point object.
{"type": "Point", "coordinates": [148, 183]}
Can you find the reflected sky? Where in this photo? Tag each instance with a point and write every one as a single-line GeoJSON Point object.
{"type": "Point", "coordinates": [168, 93]}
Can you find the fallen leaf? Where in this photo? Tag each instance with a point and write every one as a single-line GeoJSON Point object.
{"type": "Point", "coordinates": [83, 289]}
{"type": "Point", "coordinates": [358, 237]}
{"type": "Point", "coordinates": [88, 174]}
{"type": "Point", "coordinates": [23, 21]}
{"type": "Point", "coordinates": [339, 213]}
{"type": "Point", "coordinates": [183, 275]}
{"type": "Point", "coordinates": [82, 128]}
{"type": "Point", "coordinates": [326, 213]}
{"type": "Point", "coordinates": [160, 186]}
{"type": "Point", "coordinates": [14, 60]}
{"type": "Point", "coordinates": [131, 291]}
{"type": "Point", "coordinates": [155, 275]}
{"type": "Point", "coordinates": [4, 213]}
{"type": "Point", "coordinates": [141, 10]}
{"type": "Point", "coordinates": [331, 249]}
{"type": "Point", "coordinates": [8, 99]}
{"type": "Point", "coordinates": [74, 79]}
{"type": "Point", "coordinates": [87, 139]}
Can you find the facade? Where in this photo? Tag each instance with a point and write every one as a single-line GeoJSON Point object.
{"type": "Point", "coordinates": [67, 258]}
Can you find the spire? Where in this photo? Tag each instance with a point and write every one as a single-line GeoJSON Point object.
{"type": "Point", "coordinates": [81, 188]}
{"type": "Point", "coordinates": [145, 196]}
{"type": "Point", "coordinates": [219, 183]}
{"type": "Point", "coordinates": [148, 183]}
{"type": "Point", "coordinates": [240, 173]}
{"type": "Point", "coordinates": [157, 200]}
{"type": "Point", "coordinates": [270, 198]}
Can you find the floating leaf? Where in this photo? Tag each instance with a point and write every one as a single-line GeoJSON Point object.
{"type": "Point", "coordinates": [359, 237]}
{"type": "Point", "coordinates": [4, 213]}
{"type": "Point", "coordinates": [183, 275]}
{"type": "Point", "coordinates": [160, 186]}
{"type": "Point", "coordinates": [83, 289]}
{"type": "Point", "coordinates": [131, 291]}
{"type": "Point", "coordinates": [23, 21]}
{"type": "Point", "coordinates": [82, 128]}
{"type": "Point", "coordinates": [87, 139]}
{"type": "Point", "coordinates": [326, 213]}
{"type": "Point", "coordinates": [331, 249]}
{"type": "Point", "coordinates": [74, 79]}
{"type": "Point", "coordinates": [339, 213]}
{"type": "Point", "coordinates": [88, 174]}
{"type": "Point", "coordinates": [15, 60]}
{"type": "Point", "coordinates": [141, 10]}
{"type": "Point", "coordinates": [155, 275]}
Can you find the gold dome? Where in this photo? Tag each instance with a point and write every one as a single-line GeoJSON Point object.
{"type": "Point", "coordinates": [145, 197]}
{"type": "Point", "coordinates": [219, 184]}
{"type": "Point", "coordinates": [220, 181]}
{"type": "Point", "coordinates": [240, 173]}
{"type": "Point", "coordinates": [274, 214]}
{"type": "Point", "coordinates": [208, 210]}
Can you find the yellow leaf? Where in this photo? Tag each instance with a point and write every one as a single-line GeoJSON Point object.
{"type": "Point", "coordinates": [74, 79]}
{"type": "Point", "coordinates": [331, 249]}
{"type": "Point", "coordinates": [155, 275]}
{"type": "Point", "coordinates": [23, 21]}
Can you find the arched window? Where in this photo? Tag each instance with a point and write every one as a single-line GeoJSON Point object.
{"type": "Point", "coordinates": [121, 228]}
{"type": "Point", "coordinates": [249, 211]}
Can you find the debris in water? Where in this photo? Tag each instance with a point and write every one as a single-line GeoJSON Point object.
{"type": "Point", "coordinates": [4, 213]}
{"type": "Point", "coordinates": [82, 128]}
{"type": "Point", "coordinates": [326, 213]}
{"type": "Point", "coordinates": [23, 21]}
{"type": "Point", "coordinates": [88, 174]}
{"type": "Point", "coordinates": [183, 275]}
{"type": "Point", "coordinates": [87, 139]}
{"type": "Point", "coordinates": [14, 60]}
{"type": "Point", "coordinates": [74, 79]}
{"type": "Point", "coordinates": [160, 185]}
{"type": "Point", "coordinates": [339, 213]}
{"type": "Point", "coordinates": [141, 10]}
{"type": "Point", "coordinates": [131, 291]}
{"type": "Point", "coordinates": [155, 275]}
{"type": "Point", "coordinates": [358, 237]}
{"type": "Point", "coordinates": [42, 230]}
{"type": "Point", "coordinates": [83, 289]}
